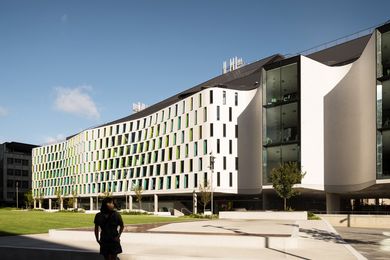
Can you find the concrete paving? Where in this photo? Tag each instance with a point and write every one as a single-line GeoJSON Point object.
{"type": "Point", "coordinates": [373, 243]}
{"type": "Point", "coordinates": [216, 239]}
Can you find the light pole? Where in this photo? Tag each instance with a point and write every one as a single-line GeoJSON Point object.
{"type": "Point", "coordinates": [212, 160]}
{"type": "Point", "coordinates": [17, 194]}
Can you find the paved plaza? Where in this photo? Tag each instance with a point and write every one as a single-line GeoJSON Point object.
{"type": "Point", "coordinates": [370, 242]}
{"type": "Point", "coordinates": [211, 239]}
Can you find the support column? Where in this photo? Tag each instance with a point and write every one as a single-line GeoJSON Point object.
{"type": "Point", "coordinates": [332, 203]}
{"type": "Point", "coordinates": [130, 202]}
{"type": "Point", "coordinates": [194, 203]}
{"type": "Point", "coordinates": [61, 203]}
{"type": "Point", "coordinates": [49, 204]}
{"type": "Point", "coordinates": [90, 203]}
{"type": "Point", "coordinates": [35, 203]}
{"type": "Point", "coordinates": [40, 203]}
{"type": "Point", "coordinates": [75, 203]}
{"type": "Point", "coordinates": [155, 203]}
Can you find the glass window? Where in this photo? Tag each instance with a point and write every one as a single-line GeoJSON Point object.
{"type": "Point", "coordinates": [211, 96]}
{"type": "Point", "coordinates": [224, 97]}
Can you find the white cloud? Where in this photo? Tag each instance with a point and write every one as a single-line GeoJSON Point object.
{"type": "Point", "coordinates": [76, 101]}
{"type": "Point", "coordinates": [3, 111]}
{"type": "Point", "coordinates": [64, 18]}
{"type": "Point", "coordinates": [55, 139]}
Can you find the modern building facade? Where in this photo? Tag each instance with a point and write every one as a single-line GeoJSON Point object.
{"type": "Point", "coordinates": [328, 111]}
{"type": "Point", "coordinates": [15, 172]}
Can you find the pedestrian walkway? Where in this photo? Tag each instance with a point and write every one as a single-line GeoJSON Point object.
{"type": "Point", "coordinates": [214, 239]}
{"type": "Point", "coordinates": [371, 242]}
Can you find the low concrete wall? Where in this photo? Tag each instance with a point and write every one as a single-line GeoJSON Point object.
{"type": "Point", "coordinates": [272, 215]}
{"type": "Point", "coordinates": [348, 220]}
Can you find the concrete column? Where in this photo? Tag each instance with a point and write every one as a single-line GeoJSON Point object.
{"type": "Point", "coordinates": [90, 203]}
{"type": "Point", "coordinates": [332, 203]}
{"type": "Point", "coordinates": [194, 203]}
{"type": "Point", "coordinates": [75, 203]}
{"type": "Point", "coordinates": [40, 203]}
{"type": "Point", "coordinates": [61, 203]}
{"type": "Point", "coordinates": [35, 203]}
{"type": "Point", "coordinates": [130, 202]}
{"type": "Point", "coordinates": [49, 204]}
{"type": "Point", "coordinates": [155, 203]}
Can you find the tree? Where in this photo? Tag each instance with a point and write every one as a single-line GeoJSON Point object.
{"type": "Point", "coordinates": [59, 197]}
{"type": "Point", "coordinates": [72, 199]}
{"type": "Point", "coordinates": [138, 194]}
{"type": "Point", "coordinates": [205, 194]}
{"type": "Point", "coordinates": [283, 179]}
{"type": "Point", "coordinates": [28, 199]}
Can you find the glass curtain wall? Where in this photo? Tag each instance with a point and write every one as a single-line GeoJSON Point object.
{"type": "Point", "coordinates": [281, 133]}
{"type": "Point", "coordinates": [383, 102]}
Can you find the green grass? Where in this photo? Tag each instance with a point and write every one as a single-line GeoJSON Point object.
{"type": "Point", "coordinates": [17, 222]}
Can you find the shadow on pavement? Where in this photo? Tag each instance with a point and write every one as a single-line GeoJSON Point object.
{"type": "Point", "coordinates": [14, 246]}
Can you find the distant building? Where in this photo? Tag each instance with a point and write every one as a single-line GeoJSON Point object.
{"type": "Point", "coordinates": [15, 169]}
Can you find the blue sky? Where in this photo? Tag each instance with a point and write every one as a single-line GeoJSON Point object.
{"type": "Point", "coordinates": [69, 65]}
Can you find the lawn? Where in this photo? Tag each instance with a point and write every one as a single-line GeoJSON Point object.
{"type": "Point", "coordinates": [17, 222]}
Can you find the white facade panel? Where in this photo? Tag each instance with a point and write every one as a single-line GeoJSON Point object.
{"type": "Point", "coordinates": [317, 80]}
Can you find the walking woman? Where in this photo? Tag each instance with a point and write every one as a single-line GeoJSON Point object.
{"type": "Point", "coordinates": [108, 220]}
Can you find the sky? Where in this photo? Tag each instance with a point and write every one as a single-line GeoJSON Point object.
{"type": "Point", "coordinates": [69, 65]}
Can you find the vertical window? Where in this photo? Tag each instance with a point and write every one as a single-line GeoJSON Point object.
{"type": "Point", "coordinates": [224, 97]}
{"type": "Point", "coordinates": [200, 132]}
{"type": "Point", "coordinates": [236, 163]}
{"type": "Point", "coordinates": [236, 99]}
{"type": "Point", "coordinates": [196, 149]}
{"type": "Point", "coordinates": [224, 162]}
{"type": "Point", "coordinates": [179, 123]}
{"type": "Point", "coordinates": [195, 180]}
{"type": "Point", "coordinates": [205, 147]}
{"type": "Point", "coordinates": [200, 100]}
{"type": "Point", "coordinates": [186, 150]}
{"type": "Point", "coordinates": [230, 147]}
{"type": "Point", "coordinates": [211, 96]}
{"type": "Point", "coordinates": [181, 166]}
{"type": "Point", "coordinates": [191, 103]}
{"type": "Point", "coordinates": [211, 129]}
{"type": "Point", "coordinates": [191, 134]}
{"type": "Point", "coordinates": [230, 179]}
{"type": "Point", "coordinates": [218, 179]}
{"type": "Point", "coordinates": [173, 167]}
{"type": "Point", "coordinates": [218, 113]}
{"type": "Point", "coordinates": [224, 130]}
{"type": "Point", "coordinates": [236, 131]}
{"type": "Point", "coordinates": [187, 120]}
{"type": "Point", "coordinates": [168, 182]}
{"type": "Point", "coordinates": [205, 114]}
{"type": "Point", "coordinates": [169, 113]}
{"type": "Point", "coordinates": [196, 117]}
{"type": "Point", "coordinates": [218, 146]}
{"type": "Point", "coordinates": [200, 164]}
{"type": "Point", "coordinates": [186, 181]}
{"type": "Point", "coordinates": [176, 108]}
{"type": "Point", "coordinates": [205, 180]}
{"type": "Point", "coordinates": [182, 137]}
{"type": "Point", "coordinates": [230, 114]}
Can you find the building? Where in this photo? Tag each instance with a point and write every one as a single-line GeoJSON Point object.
{"type": "Point", "coordinates": [15, 172]}
{"type": "Point", "coordinates": [328, 111]}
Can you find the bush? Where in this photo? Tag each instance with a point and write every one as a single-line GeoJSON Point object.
{"type": "Point", "coordinates": [312, 216]}
{"type": "Point", "coordinates": [214, 216]}
{"type": "Point", "coordinates": [72, 211]}
{"type": "Point", "coordinates": [134, 212]}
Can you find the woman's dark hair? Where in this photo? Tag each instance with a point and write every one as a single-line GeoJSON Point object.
{"type": "Point", "coordinates": [104, 208]}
